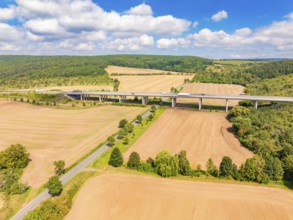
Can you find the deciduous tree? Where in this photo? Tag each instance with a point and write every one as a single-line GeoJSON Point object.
{"type": "Point", "coordinates": [116, 159]}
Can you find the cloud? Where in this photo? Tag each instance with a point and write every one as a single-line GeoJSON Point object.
{"type": "Point", "coordinates": [142, 9]}
{"type": "Point", "coordinates": [195, 24]}
{"type": "Point", "coordinates": [165, 43]}
{"type": "Point", "coordinates": [7, 13]}
{"type": "Point", "coordinates": [220, 16]}
{"type": "Point", "coordinates": [76, 16]}
{"type": "Point", "coordinates": [9, 33]}
{"type": "Point", "coordinates": [130, 44]}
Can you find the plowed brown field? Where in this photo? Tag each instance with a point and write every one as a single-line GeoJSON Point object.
{"type": "Point", "coordinates": [211, 88]}
{"type": "Point", "coordinates": [203, 135]}
{"type": "Point", "coordinates": [137, 197]}
{"type": "Point", "coordinates": [53, 134]}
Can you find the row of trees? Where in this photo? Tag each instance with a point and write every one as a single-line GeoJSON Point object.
{"type": "Point", "coordinates": [255, 169]}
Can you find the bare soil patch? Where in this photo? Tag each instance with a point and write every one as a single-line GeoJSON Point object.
{"type": "Point", "coordinates": [212, 88]}
{"type": "Point", "coordinates": [155, 83]}
{"type": "Point", "coordinates": [203, 135]}
{"type": "Point", "coordinates": [55, 134]}
{"type": "Point", "coordinates": [129, 70]}
{"type": "Point", "coordinates": [115, 196]}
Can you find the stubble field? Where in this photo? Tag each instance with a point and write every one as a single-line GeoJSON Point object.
{"type": "Point", "coordinates": [54, 134]}
{"type": "Point", "coordinates": [203, 135]}
{"type": "Point", "coordinates": [155, 83]}
{"type": "Point", "coordinates": [120, 196]}
{"type": "Point", "coordinates": [129, 70]}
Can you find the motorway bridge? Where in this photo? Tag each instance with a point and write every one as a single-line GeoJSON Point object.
{"type": "Point", "coordinates": [122, 96]}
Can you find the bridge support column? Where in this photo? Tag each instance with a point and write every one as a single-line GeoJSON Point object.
{"type": "Point", "coordinates": [200, 104]}
{"type": "Point", "coordinates": [174, 102]}
{"type": "Point", "coordinates": [227, 105]}
{"type": "Point", "coordinates": [255, 104]}
{"type": "Point", "coordinates": [120, 99]}
{"type": "Point", "coordinates": [144, 100]}
{"type": "Point", "coordinates": [81, 98]}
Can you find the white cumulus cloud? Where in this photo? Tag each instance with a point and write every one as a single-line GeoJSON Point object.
{"type": "Point", "coordinates": [130, 44]}
{"type": "Point", "coordinates": [220, 16]}
{"type": "Point", "coordinates": [142, 9]}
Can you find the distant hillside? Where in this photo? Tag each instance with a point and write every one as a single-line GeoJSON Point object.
{"type": "Point", "coordinates": [278, 86]}
{"type": "Point", "coordinates": [243, 72]}
{"type": "Point", "coordinates": [32, 71]}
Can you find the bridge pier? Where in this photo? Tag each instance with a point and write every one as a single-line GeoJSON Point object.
{"type": "Point", "coordinates": [144, 100]}
{"type": "Point", "coordinates": [173, 102]}
{"type": "Point", "coordinates": [255, 104]}
{"type": "Point", "coordinates": [199, 104]}
{"type": "Point", "coordinates": [122, 98]}
{"type": "Point", "coordinates": [227, 105]}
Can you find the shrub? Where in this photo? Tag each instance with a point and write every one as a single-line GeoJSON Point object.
{"type": "Point", "coordinates": [184, 165]}
{"type": "Point", "coordinates": [226, 167]}
{"type": "Point", "coordinates": [14, 157]}
{"type": "Point", "coordinates": [116, 159]}
{"type": "Point", "coordinates": [59, 167]}
{"type": "Point", "coordinates": [166, 165]}
{"type": "Point", "coordinates": [122, 123]}
{"type": "Point", "coordinates": [111, 141]}
{"type": "Point", "coordinates": [54, 186]}
{"type": "Point", "coordinates": [133, 161]}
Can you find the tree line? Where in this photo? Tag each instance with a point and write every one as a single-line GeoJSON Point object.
{"type": "Point", "coordinates": [255, 169]}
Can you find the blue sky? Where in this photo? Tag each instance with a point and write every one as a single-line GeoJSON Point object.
{"type": "Point", "coordinates": [208, 28]}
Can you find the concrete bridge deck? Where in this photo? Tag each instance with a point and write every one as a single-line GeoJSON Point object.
{"type": "Point", "coordinates": [173, 96]}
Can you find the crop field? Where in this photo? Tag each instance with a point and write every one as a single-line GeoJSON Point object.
{"type": "Point", "coordinates": [53, 134]}
{"type": "Point", "coordinates": [120, 196]}
{"type": "Point", "coordinates": [155, 83]}
{"type": "Point", "coordinates": [212, 88]}
{"type": "Point", "coordinates": [135, 71]}
{"type": "Point", "coordinates": [203, 135]}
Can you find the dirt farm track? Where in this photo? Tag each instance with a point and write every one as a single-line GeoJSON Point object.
{"type": "Point", "coordinates": [54, 134]}
{"type": "Point", "coordinates": [203, 135]}
{"type": "Point", "coordinates": [120, 196]}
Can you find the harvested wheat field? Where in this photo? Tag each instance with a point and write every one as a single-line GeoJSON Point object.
{"type": "Point", "coordinates": [120, 196]}
{"type": "Point", "coordinates": [155, 83]}
{"type": "Point", "coordinates": [134, 71]}
{"type": "Point", "coordinates": [203, 135]}
{"type": "Point", "coordinates": [211, 88]}
{"type": "Point", "coordinates": [54, 134]}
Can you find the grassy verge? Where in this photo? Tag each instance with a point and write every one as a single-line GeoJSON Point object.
{"type": "Point", "coordinates": [58, 207]}
{"type": "Point", "coordinates": [138, 130]}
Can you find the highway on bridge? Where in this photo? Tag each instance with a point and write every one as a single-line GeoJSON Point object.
{"type": "Point", "coordinates": [173, 96]}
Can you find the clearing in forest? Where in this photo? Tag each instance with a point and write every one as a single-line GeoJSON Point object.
{"type": "Point", "coordinates": [120, 196]}
{"type": "Point", "coordinates": [203, 135]}
{"type": "Point", "coordinates": [54, 134]}
{"type": "Point", "coordinates": [212, 88]}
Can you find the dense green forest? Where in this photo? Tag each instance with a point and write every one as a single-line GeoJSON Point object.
{"type": "Point", "coordinates": [39, 71]}
{"type": "Point", "coordinates": [268, 131]}
{"type": "Point", "coordinates": [244, 73]}
{"type": "Point", "coordinates": [279, 86]}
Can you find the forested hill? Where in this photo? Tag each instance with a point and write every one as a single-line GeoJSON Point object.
{"type": "Point", "coordinates": [271, 69]}
{"type": "Point", "coordinates": [244, 72]}
{"type": "Point", "coordinates": [30, 71]}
